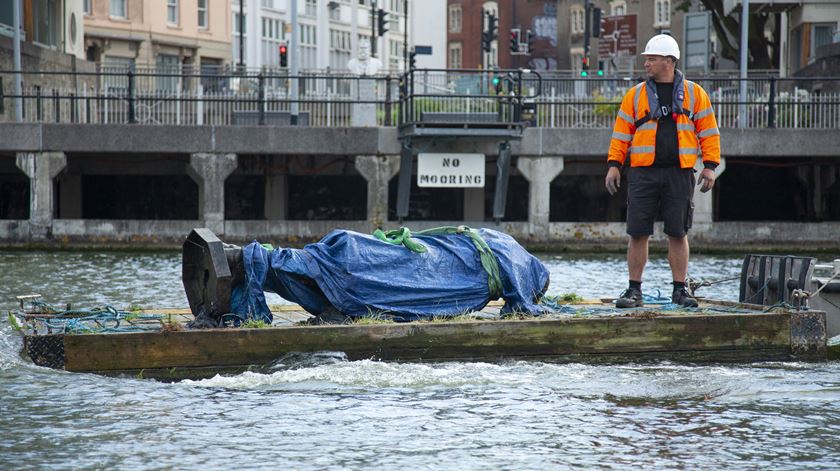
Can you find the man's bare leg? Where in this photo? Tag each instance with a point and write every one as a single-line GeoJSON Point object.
{"type": "Point", "coordinates": [637, 256]}
{"type": "Point", "coordinates": [678, 257]}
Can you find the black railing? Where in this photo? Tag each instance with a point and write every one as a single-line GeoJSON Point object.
{"type": "Point", "coordinates": [549, 99]}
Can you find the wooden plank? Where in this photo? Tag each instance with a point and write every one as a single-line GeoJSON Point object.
{"type": "Point", "coordinates": [746, 333]}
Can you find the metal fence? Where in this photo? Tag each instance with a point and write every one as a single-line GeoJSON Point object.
{"type": "Point", "coordinates": [156, 97]}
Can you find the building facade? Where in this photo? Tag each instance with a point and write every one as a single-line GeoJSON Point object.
{"type": "Point", "coordinates": [54, 25]}
{"type": "Point", "coordinates": [329, 32]}
{"type": "Point", "coordinates": [163, 34]}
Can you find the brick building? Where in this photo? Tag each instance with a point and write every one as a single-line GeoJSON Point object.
{"type": "Point", "coordinates": [466, 21]}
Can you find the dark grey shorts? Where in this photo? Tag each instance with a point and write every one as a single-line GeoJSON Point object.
{"type": "Point", "coordinates": [660, 192]}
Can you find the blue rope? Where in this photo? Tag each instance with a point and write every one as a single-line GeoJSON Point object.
{"type": "Point", "coordinates": [100, 319]}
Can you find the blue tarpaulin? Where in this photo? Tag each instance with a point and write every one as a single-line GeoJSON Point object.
{"type": "Point", "coordinates": [360, 275]}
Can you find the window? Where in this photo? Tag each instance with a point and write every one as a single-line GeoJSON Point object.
{"type": "Point", "coordinates": [202, 13]}
{"type": "Point", "coordinates": [311, 8]}
{"type": "Point", "coordinates": [662, 13]}
{"type": "Point", "coordinates": [577, 18]}
{"type": "Point", "coordinates": [335, 14]}
{"type": "Point", "coordinates": [46, 19]}
{"type": "Point", "coordinates": [396, 48]}
{"type": "Point", "coordinates": [272, 33]}
{"type": "Point", "coordinates": [455, 56]}
{"type": "Point", "coordinates": [116, 65]}
{"type": "Point", "coordinates": [455, 18]}
{"type": "Point", "coordinates": [236, 23]}
{"type": "Point", "coordinates": [118, 9]}
{"type": "Point", "coordinates": [308, 35]}
{"type": "Point", "coordinates": [822, 35]}
{"type": "Point", "coordinates": [168, 64]}
{"type": "Point", "coordinates": [86, 7]}
{"type": "Point", "coordinates": [172, 12]}
{"type": "Point", "coordinates": [340, 40]}
{"type": "Point", "coordinates": [618, 7]}
{"type": "Point", "coordinates": [396, 6]}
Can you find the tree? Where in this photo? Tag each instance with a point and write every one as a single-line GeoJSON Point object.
{"type": "Point", "coordinates": [763, 51]}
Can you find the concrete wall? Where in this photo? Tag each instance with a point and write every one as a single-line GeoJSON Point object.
{"type": "Point", "coordinates": [43, 60]}
{"type": "Point", "coordinates": [124, 138]}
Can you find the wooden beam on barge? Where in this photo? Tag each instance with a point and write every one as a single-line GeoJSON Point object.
{"type": "Point", "coordinates": [702, 337]}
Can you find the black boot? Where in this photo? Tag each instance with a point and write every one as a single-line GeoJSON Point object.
{"type": "Point", "coordinates": [631, 297]}
{"type": "Point", "coordinates": [683, 298]}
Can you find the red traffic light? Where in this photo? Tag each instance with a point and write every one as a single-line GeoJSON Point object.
{"type": "Point", "coordinates": [284, 56]}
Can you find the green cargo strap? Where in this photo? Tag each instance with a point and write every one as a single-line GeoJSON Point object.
{"type": "Point", "coordinates": [402, 236]}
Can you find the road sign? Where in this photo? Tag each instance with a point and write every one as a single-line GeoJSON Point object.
{"type": "Point", "coordinates": [618, 36]}
{"type": "Point", "coordinates": [450, 170]}
{"type": "Point", "coordinates": [696, 34]}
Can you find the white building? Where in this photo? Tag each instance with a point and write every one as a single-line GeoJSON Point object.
{"type": "Point", "coordinates": [330, 31]}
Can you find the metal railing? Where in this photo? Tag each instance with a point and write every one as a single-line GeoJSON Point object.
{"type": "Point", "coordinates": [553, 100]}
{"type": "Point", "coordinates": [159, 98]}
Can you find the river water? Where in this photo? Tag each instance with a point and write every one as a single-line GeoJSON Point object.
{"type": "Point", "coordinates": [323, 412]}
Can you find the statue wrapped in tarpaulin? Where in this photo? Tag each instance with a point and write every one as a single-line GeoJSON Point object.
{"type": "Point", "coordinates": [397, 275]}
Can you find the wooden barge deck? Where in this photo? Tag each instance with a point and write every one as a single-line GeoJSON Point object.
{"type": "Point", "coordinates": [717, 332]}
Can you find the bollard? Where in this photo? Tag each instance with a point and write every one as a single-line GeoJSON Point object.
{"type": "Point", "coordinates": [261, 98]}
{"type": "Point", "coordinates": [131, 118]}
{"type": "Point", "coordinates": [771, 112]}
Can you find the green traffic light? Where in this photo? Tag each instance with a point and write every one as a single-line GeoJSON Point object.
{"type": "Point", "coordinates": [584, 73]}
{"type": "Point", "coordinates": [601, 73]}
{"type": "Point", "coordinates": [496, 80]}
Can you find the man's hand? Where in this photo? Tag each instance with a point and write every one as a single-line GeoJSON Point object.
{"type": "Point", "coordinates": [613, 181]}
{"type": "Point", "coordinates": [707, 179]}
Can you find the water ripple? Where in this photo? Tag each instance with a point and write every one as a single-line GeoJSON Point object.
{"type": "Point", "coordinates": [320, 411]}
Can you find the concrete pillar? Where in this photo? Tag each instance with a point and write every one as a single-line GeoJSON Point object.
{"type": "Point", "coordinates": [539, 171]}
{"type": "Point", "coordinates": [41, 168]}
{"type": "Point", "coordinates": [703, 202]}
{"type": "Point", "coordinates": [275, 196]}
{"type": "Point", "coordinates": [378, 171]}
{"type": "Point", "coordinates": [474, 204]}
{"type": "Point", "coordinates": [210, 172]}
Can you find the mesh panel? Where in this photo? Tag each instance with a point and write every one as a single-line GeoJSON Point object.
{"type": "Point", "coordinates": [45, 350]}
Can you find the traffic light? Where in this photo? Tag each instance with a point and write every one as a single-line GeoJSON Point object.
{"type": "Point", "coordinates": [381, 22]}
{"type": "Point", "coordinates": [497, 84]}
{"type": "Point", "coordinates": [529, 39]}
{"type": "Point", "coordinates": [596, 22]}
{"type": "Point", "coordinates": [412, 59]}
{"type": "Point", "coordinates": [600, 68]}
{"type": "Point", "coordinates": [489, 35]}
{"type": "Point", "coordinates": [515, 39]}
{"type": "Point", "coordinates": [492, 26]}
{"type": "Point", "coordinates": [584, 67]}
{"type": "Point", "coordinates": [284, 56]}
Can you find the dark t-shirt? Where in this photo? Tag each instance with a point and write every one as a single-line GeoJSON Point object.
{"type": "Point", "coordinates": [667, 148]}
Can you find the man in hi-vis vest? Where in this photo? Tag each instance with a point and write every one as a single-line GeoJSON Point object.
{"type": "Point", "coordinates": [665, 123]}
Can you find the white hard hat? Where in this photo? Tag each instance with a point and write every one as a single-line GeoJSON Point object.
{"type": "Point", "coordinates": [662, 45]}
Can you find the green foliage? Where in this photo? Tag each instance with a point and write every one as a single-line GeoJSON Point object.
{"type": "Point", "coordinates": [571, 297]}
{"type": "Point", "coordinates": [606, 106]}
{"type": "Point", "coordinates": [254, 324]}
{"type": "Point", "coordinates": [14, 322]}
{"type": "Point", "coordinates": [373, 317]}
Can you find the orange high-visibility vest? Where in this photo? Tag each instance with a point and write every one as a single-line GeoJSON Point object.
{"type": "Point", "coordinates": [697, 122]}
